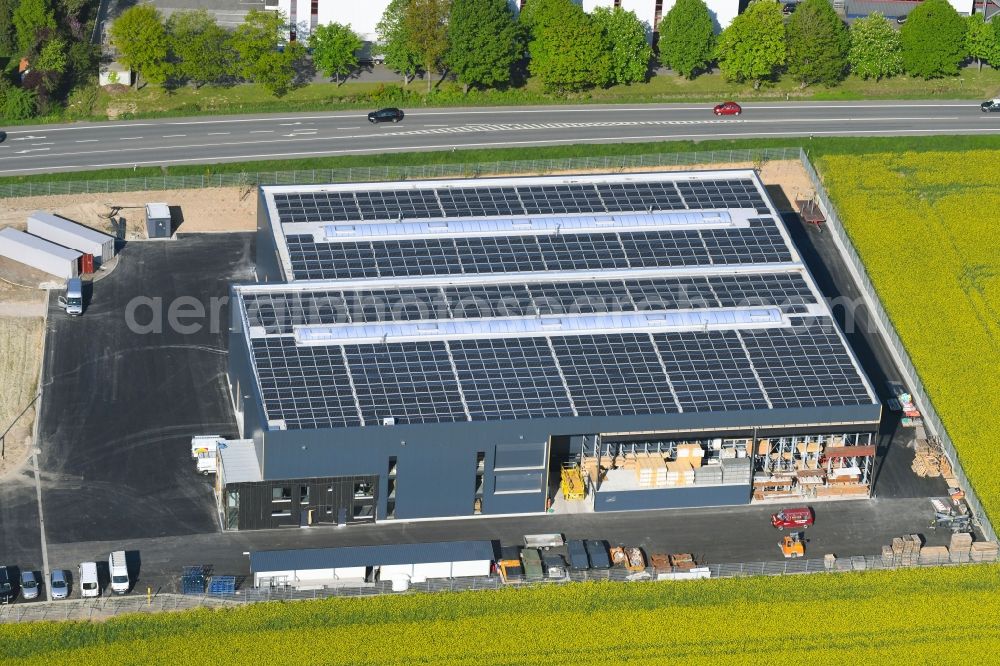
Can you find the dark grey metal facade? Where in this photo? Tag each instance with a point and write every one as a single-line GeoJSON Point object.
{"type": "Point", "coordinates": [301, 502]}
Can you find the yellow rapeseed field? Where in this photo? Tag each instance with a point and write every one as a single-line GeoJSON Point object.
{"type": "Point", "coordinates": [928, 229]}
{"type": "Point", "coordinates": [939, 615]}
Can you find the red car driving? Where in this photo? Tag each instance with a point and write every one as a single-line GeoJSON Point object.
{"type": "Point", "coordinates": [728, 109]}
{"type": "Point", "coordinates": [800, 517]}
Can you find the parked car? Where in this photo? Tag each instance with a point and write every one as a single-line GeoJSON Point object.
{"type": "Point", "coordinates": [555, 566]}
{"type": "Point", "coordinates": [728, 109]}
{"type": "Point", "coordinates": [991, 105]}
{"type": "Point", "coordinates": [89, 586]}
{"type": "Point", "coordinates": [390, 114]}
{"type": "Point", "coordinates": [59, 584]}
{"type": "Point", "coordinates": [29, 585]}
{"type": "Point", "coordinates": [8, 592]}
{"type": "Point", "coordinates": [900, 20]}
{"type": "Point", "coordinates": [799, 517]}
{"type": "Point", "coordinates": [788, 8]}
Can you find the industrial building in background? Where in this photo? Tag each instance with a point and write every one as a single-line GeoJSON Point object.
{"type": "Point", "coordinates": [459, 348]}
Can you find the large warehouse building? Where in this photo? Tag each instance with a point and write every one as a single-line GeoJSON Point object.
{"type": "Point", "coordinates": [445, 348]}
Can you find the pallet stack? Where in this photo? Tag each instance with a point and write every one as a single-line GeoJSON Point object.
{"type": "Point", "coordinates": [650, 472]}
{"type": "Point", "coordinates": [927, 460]}
{"type": "Point", "coordinates": [906, 549]}
{"type": "Point", "coordinates": [960, 547]}
{"type": "Point", "coordinates": [933, 555]}
{"type": "Point", "coordinates": [682, 561]}
{"type": "Point", "coordinates": [984, 551]}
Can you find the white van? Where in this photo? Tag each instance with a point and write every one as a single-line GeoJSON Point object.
{"type": "Point", "coordinates": [204, 449]}
{"type": "Point", "coordinates": [72, 302]}
{"type": "Point", "coordinates": [89, 586]}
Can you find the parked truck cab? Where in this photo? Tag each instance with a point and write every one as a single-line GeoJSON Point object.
{"type": "Point", "coordinates": [72, 301]}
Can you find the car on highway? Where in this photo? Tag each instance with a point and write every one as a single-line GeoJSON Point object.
{"type": "Point", "coordinates": [799, 517]}
{"type": "Point", "coordinates": [727, 109]}
{"type": "Point", "coordinates": [991, 105]}
{"type": "Point", "coordinates": [3, 136]}
{"type": "Point", "coordinates": [59, 584]}
{"type": "Point", "coordinates": [29, 585]}
{"type": "Point", "coordinates": [390, 114]}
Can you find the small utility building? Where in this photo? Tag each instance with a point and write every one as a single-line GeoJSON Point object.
{"type": "Point", "coordinates": [446, 348]}
{"type": "Point", "coordinates": [75, 236]}
{"type": "Point", "coordinates": [39, 253]}
{"type": "Point", "coordinates": [410, 562]}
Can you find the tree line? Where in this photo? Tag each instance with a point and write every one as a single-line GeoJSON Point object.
{"type": "Point", "coordinates": [53, 38]}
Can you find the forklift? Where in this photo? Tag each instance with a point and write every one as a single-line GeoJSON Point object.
{"type": "Point", "coordinates": [793, 545]}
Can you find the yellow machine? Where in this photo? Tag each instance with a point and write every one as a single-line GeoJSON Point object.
{"type": "Point", "coordinates": [793, 545]}
{"type": "Point", "coordinates": [572, 482]}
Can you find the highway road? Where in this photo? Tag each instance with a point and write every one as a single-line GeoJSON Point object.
{"type": "Point", "coordinates": [81, 146]}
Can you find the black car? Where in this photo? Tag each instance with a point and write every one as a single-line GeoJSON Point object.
{"type": "Point", "coordinates": [385, 115]}
{"type": "Point", "coordinates": [788, 8]}
{"type": "Point", "coordinates": [990, 105]}
{"type": "Point", "coordinates": [8, 589]}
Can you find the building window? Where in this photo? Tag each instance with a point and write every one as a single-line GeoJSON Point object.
{"type": "Point", "coordinates": [304, 494]}
{"type": "Point", "coordinates": [362, 489]}
{"type": "Point", "coordinates": [315, 7]}
{"type": "Point", "coordinates": [522, 4]}
{"type": "Point", "coordinates": [618, 4]}
{"type": "Point", "coordinates": [281, 494]}
{"type": "Point", "coordinates": [657, 13]}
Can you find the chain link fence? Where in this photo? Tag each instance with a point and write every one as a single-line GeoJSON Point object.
{"type": "Point", "coordinates": [932, 422]}
{"type": "Point", "coordinates": [110, 606]}
{"type": "Point", "coordinates": [395, 173]}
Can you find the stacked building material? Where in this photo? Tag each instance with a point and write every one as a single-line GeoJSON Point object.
{"type": "Point", "coordinates": [708, 475]}
{"type": "Point", "coordinates": [933, 555]}
{"type": "Point", "coordinates": [736, 470]}
{"type": "Point", "coordinates": [660, 561]}
{"type": "Point", "coordinates": [927, 461]}
{"type": "Point", "coordinates": [906, 549]}
{"type": "Point", "coordinates": [888, 557]}
{"type": "Point", "coordinates": [682, 561]}
{"type": "Point", "coordinates": [960, 547]}
{"type": "Point", "coordinates": [984, 551]}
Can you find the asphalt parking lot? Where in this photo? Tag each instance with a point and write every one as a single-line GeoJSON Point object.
{"type": "Point", "coordinates": [123, 394]}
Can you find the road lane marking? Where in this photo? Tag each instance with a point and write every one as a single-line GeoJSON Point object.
{"type": "Point", "coordinates": [262, 131]}
{"type": "Point", "coordinates": [469, 146]}
{"type": "Point", "coordinates": [129, 138]}
{"type": "Point", "coordinates": [31, 150]}
{"type": "Point", "coordinates": [46, 143]}
{"type": "Point", "coordinates": [86, 141]}
{"type": "Point", "coordinates": [603, 108]}
{"type": "Point", "coordinates": [172, 136]}
{"type": "Point", "coordinates": [345, 128]}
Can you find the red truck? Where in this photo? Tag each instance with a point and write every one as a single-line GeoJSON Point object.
{"type": "Point", "coordinates": [800, 517]}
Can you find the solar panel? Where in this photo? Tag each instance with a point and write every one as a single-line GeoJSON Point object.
{"type": "Point", "coordinates": [805, 366]}
{"type": "Point", "coordinates": [307, 387]}
{"type": "Point", "coordinates": [510, 379]}
{"type": "Point", "coordinates": [709, 371]}
{"type": "Point", "coordinates": [410, 382]}
{"type": "Point", "coordinates": [613, 374]}
{"type": "Point", "coordinates": [729, 193]}
{"type": "Point", "coordinates": [639, 197]}
{"type": "Point", "coordinates": [278, 312]}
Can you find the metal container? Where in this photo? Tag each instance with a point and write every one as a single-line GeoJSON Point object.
{"type": "Point", "coordinates": [39, 253]}
{"type": "Point", "coordinates": [72, 235]}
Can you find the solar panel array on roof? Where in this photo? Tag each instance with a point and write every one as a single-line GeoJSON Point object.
{"type": "Point", "coordinates": [512, 200]}
{"type": "Point", "coordinates": [278, 312]}
{"type": "Point", "coordinates": [761, 242]}
{"type": "Point", "coordinates": [560, 375]}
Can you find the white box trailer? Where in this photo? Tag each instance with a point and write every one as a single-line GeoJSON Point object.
{"type": "Point", "coordinates": [39, 253]}
{"type": "Point", "coordinates": [72, 235]}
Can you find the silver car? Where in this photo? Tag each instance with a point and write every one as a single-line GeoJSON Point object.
{"type": "Point", "coordinates": [29, 585]}
{"type": "Point", "coordinates": [59, 586]}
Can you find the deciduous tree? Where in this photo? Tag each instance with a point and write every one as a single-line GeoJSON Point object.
{"type": "Point", "coordinates": [568, 51]}
{"type": "Point", "coordinates": [933, 39]}
{"type": "Point", "coordinates": [394, 41]}
{"type": "Point", "coordinates": [484, 42]}
{"type": "Point", "coordinates": [687, 37]}
{"type": "Point", "coordinates": [201, 49]}
{"type": "Point", "coordinates": [8, 36]}
{"type": "Point", "coordinates": [753, 47]}
{"type": "Point", "coordinates": [262, 56]}
{"type": "Point", "coordinates": [818, 43]}
{"type": "Point", "coordinates": [426, 24]}
{"type": "Point", "coordinates": [625, 41]}
{"type": "Point", "coordinates": [141, 39]}
{"type": "Point", "coordinates": [333, 49]}
{"type": "Point", "coordinates": [31, 16]}
{"type": "Point", "coordinates": [981, 41]}
{"type": "Point", "coordinates": [876, 51]}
